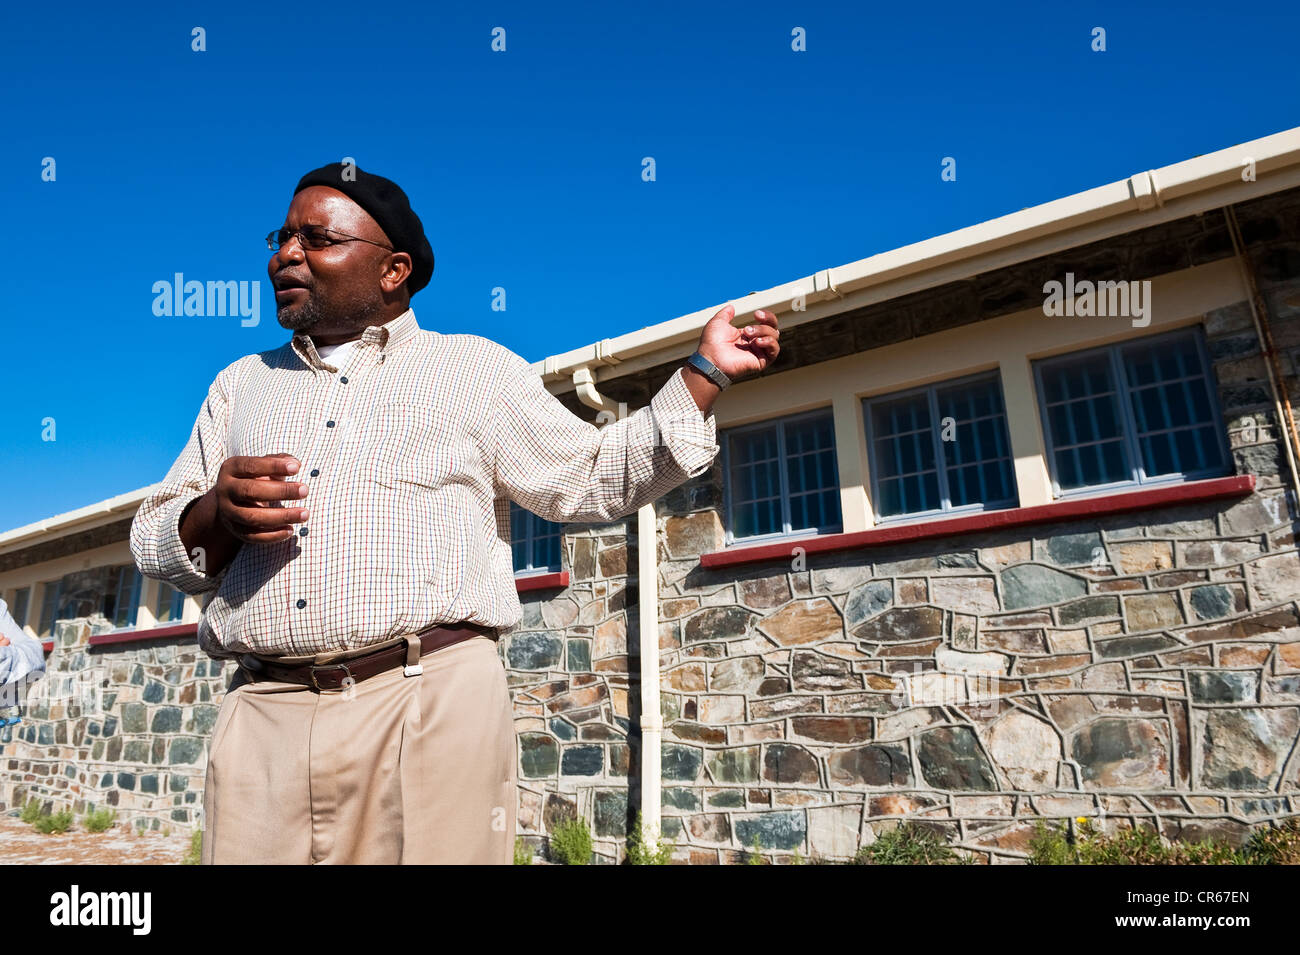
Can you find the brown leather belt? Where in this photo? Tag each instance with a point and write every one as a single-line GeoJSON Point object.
{"type": "Point", "coordinates": [345, 673]}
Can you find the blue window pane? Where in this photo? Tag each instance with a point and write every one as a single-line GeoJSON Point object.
{"type": "Point", "coordinates": [998, 480]}
{"type": "Point", "coordinates": [125, 602]}
{"type": "Point", "coordinates": [546, 550]}
{"type": "Point", "coordinates": [49, 607]}
{"type": "Point", "coordinates": [1172, 407]}
{"type": "Point", "coordinates": [908, 495]}
{"type": "Point", "coordinates": [535, 543]}
{"type": "Point", "coordinates": [755, 481]}
{"type": "Point", "coordinates": [19, 609]}
{"type": "Point", "coordinates": [1091, 464]}
{"type": "Point", "coordinates": [1084, 424]}
{"type": "Point", "coordinates": [903, 455]}
{"type": "Point", "coordinates": [904, 440]}
{"type": "Point", "coordinates": [803, 512]}
{"type": "Point", "coordinates": [977, 460]}
{"type": "Point", "coordinates": [811, 470]}
{"type": "Point", "coordinates": [760, 517]}
{"type": "Point", "coordinates": [754, 446]}
{"type": "Point", "coordinates": [786, 468]}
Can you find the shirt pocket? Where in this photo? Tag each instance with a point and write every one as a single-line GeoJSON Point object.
{"type": "Point", "coordinates": [406, 446]}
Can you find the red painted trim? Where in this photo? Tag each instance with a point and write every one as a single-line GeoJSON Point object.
{"type": "Point", "coordinates": [1097, 506]}
{"type": "Point", "coordinates": [542, 581]}
{"type": "Point", "coordinates": [149, 633]}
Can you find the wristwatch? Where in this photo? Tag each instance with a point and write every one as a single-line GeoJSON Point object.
{"type": "Point", "coordinates": [709, 370]}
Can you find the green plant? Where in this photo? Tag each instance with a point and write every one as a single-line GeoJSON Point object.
{"type": "Point", "coordinates": [571, 842]}
{"type": "Point", "coordinates": [796, 858]}
{"type": "Point", "coordinates": [639, 853]}
{"type": "Point", "coordinates": [1280, 846]}
{"type": "Point", "coordinates": [195, 855]}
{"type": "Point", "coordinates": [523, 855]}
{"type": "Point", "coordinates": [31, 811]}
{"type": "Point", "coordinates": [756, 853]}
{"type": "Point", "coordinates": [98, 820]}
{"type": "Point", "coordinates": [1050, 846]}
{"type": "Point", "coordinates": [1142, 845]}
{"type": "Point", "coordinates": [54, 822]}
{"type": "Point", "coordinates": [908, 844]}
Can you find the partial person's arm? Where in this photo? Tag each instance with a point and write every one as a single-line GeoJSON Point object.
{"type": "Point", "coordinates": [20, 655]}
{"type": "Point", "coordinates": [564, 469]}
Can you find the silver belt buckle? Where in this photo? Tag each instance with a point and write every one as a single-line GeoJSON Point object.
{"type": "Point", "coordinates": [326, 666]}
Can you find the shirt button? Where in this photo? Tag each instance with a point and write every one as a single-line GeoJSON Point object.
{"type": "Point", "coordinates": [301, 604]}
{"type": "Point", "coordinates": [329, 424]}
{"type": "Point", "coordinates": [302, 532]}
{"type": "Point", "coordinates": [344, 380]}
{"type": "Point", "coordinates": [315, 472]}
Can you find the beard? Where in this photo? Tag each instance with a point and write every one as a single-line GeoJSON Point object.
{"type": "Point", "coordinates": [328, 315]}
{"type": "Point", "coordinates": [303, 318]}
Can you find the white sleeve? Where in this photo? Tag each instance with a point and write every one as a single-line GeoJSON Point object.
{"type": "Point", "coordinates": [24, 654]}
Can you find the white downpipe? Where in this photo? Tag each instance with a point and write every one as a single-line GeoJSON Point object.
{"type": "Point", "coordinates": [652, 723]}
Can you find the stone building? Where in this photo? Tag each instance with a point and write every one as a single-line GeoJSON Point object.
{"type": "Point", "coordinates": [1007, 532]}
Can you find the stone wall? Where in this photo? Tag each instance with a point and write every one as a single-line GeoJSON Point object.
{"type": "Point", "coordinates": [1133, 668]}
{"type": "Point", "coordinates": [123, 726]}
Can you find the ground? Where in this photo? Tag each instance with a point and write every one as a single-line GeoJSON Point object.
{"type": "Point", "coordinates": [20, 844]}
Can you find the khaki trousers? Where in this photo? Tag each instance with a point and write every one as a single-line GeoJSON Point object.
{"type": "Point", "coordinates": [395, 769]}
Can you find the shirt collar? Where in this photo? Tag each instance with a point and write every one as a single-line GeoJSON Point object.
{"type": "Point", "coordinates": [386, 336]}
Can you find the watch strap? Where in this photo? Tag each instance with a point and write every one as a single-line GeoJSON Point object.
{"type": "Point", "coordinates": [709, 370]}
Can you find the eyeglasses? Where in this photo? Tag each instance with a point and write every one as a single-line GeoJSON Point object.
{"type": "Point", "coordinates": [314, 238]}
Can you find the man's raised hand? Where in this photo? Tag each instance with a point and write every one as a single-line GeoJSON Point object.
{"type": "Point", "coordinates": [739, 352]}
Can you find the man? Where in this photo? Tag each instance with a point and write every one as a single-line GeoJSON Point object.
{"type": "Point", "coordinates": [343, 502]}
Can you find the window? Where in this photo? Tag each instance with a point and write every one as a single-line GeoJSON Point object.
{"type": "Point", "coordinates": [940, 448]}
{"type": "Point", "coordinates": [170, 604]}
{"type": "Point", "coordinates": [1130, 414]}
{"type": "Point", "coordinates": [18, 607]}
{"type": "Point", "coordinates": [49, 608]}
{"type": "Point", "coordinates": [122, 600]}
{"type": "Point", "coordinates": [782, 477]}
{"type": "Point", "coordinates": [535, 542]}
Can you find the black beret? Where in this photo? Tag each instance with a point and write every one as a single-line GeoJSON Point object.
{"type": "Point", "coordinates": [388, 206]}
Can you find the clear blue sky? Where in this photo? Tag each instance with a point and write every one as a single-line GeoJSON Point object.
{"type": "Point", "coordinates": [525, 166]}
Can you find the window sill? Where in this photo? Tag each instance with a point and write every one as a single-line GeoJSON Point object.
{"type": "Point", "coordinates": [530, 582]}
{"type": "Point", "coordinates": [144, 633]}
{"type": "Point", "coordinates": [1099, 505]}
